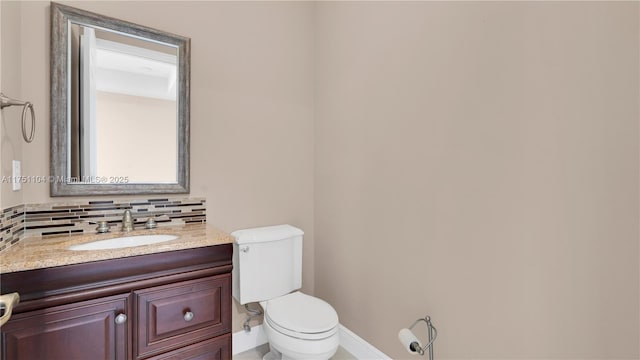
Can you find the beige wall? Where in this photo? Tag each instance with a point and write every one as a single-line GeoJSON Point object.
{"type": "Point", "coordinates": [251, 105]}
{"type": "Point", "coordinates": [1, 113]}
{"type": "Point", "coordinates": [11, 143]}
{"type": "Point", "coordinates": [478, 162]}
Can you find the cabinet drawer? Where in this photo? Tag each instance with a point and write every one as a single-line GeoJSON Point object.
{"type": "Point", "coordinates": [177, 315]}
{"type": "Point", "coordinates": [214, 349]}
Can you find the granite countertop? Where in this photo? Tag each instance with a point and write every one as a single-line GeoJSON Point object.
{"type": "Point", "coordinates": [35, 252]}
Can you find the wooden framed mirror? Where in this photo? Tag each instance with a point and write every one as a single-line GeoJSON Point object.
{"type": "Point", "coordinates": [119, 106]}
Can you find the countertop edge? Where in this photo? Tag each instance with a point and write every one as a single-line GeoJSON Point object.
{"type": "Point", "coordinates": [37, 253]}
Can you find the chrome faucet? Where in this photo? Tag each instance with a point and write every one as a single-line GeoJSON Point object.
{"type": "Point", "coordinates": [127, 221]}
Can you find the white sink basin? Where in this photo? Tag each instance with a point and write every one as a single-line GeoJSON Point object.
{"type": "Point", "coordinates": [123, 242]}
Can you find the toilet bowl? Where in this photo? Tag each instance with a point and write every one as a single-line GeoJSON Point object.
{"type": "Point", "coordinates": [299, 326]}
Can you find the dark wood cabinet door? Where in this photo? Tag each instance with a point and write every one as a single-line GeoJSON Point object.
{"type": "Point", "coordinates": [214, 349]}
{"type": "Point", "coordinates": [178, 315]}
{"type": "Point", "coordinates": [83, 330]}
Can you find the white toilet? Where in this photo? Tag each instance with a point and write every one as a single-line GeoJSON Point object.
{"type": "Point", "coordinates": [267, 267]}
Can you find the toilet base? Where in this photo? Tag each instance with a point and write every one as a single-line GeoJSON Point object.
{"type": "Point", "coordinates": [273, 354]}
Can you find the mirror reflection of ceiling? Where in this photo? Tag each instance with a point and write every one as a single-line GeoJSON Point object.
{"type": "Point", "coordinates": [130, 66]}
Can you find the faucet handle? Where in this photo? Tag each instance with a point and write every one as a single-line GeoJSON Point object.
{"type": "Point", "coordinates": [103, 227]}
{"type": "Point", "coordinates": [150, 223]}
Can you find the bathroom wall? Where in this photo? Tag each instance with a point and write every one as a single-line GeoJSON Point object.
{"type": "Point", "coordinates": [10, 127]}
{"type": "Point", "coordinates": [251, 106]}
{"type": "Point", "coordinates": [1, 113]}
{"type": "Point", "coordinates": [478, 162]}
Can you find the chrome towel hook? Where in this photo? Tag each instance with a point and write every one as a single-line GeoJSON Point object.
{"type": "Point", "coordinates": [7, 101]}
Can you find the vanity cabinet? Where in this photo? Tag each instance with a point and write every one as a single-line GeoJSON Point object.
{"type": "Point", "coordinates": [172, 305]}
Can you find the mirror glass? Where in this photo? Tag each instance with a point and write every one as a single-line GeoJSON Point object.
{"type": "Point", "coordinates": [127, 101]}
{"type": "Point", "coordinates": [119, 106]}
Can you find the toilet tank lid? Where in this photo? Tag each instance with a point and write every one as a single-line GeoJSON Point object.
{"type": "Point", "coordinates": [267, 233]}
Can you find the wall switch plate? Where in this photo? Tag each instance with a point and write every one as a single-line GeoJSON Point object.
{"type": "Point", "coordinates": [15, 176]}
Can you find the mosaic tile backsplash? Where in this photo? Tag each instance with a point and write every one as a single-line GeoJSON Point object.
{"type": "Point", "coordinates": [11, 226]}
{"type": "Point", "coordinates": [53, 219]}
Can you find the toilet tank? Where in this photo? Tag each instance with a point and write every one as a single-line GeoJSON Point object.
{"type": "Point", "coordinates": [267, 262]}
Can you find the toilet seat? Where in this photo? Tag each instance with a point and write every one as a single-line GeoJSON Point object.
{"type": "Point", "coordinates": [300, 335]}
{"type": "Point", "coordinates": [302, 316]}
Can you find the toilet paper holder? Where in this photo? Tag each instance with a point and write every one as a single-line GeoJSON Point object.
{"type": "Point", "coordinates": [411, 342]}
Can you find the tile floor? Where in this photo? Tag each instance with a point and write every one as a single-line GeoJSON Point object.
{"type": "Point", "coordinates": [257, 353]}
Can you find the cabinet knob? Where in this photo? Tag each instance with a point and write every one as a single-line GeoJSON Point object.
{"type": "Point", "coordinates": [121, 319]}
{"type": "Point", "coordinates": [188, 316]}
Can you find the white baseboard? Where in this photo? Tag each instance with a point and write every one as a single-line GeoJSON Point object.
{"type": "Point", "coordinates": [358, 347]}
{"type": "Point", "coordinates": [354, 344]}
{"type": "Point", "coordinates": [349, 341]}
